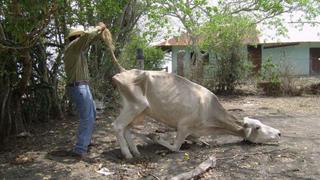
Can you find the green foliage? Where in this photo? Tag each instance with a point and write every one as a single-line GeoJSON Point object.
{"type": "Point", "coordinates": [227, 24]}
{"type": "Point", "coordinates": [226, 73]}
{"type": "Point", "coordinates": [192, 14]}
{"type": "Point", "coordinates": [225, 33]}
{"type": "Point", "coordinates": [153, 57]}
{"type": "Point", "coordinates": [17, 14]}
{"type": "Point", "coordinates": [269, 72]}
{"type": "Point", "coordinates": [35, 28]}
{"type": "Point", "coordinates": [88, 13]}
{"type": "Point", "coordinates": [225, 39]}
{"type": "Point", "coordinates": [277, 80]}
{"type": "Point", "coordinates": [189, 14]}
{"type": "Point", "coordinates": [269, 78]}
{"type": "Point", "coordinates": [24, 31]}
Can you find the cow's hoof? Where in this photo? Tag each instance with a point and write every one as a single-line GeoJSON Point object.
{"type": "Point", "coordinates": [153, 137]}
{"type": "Point", "coordinates": [245, 141]}
{"type": "Point", "coordinates": [128, 156]}
{"type": "Point", "coordinates": [136, 154]}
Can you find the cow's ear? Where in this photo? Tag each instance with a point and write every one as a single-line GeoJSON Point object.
{"type": "Point", "coordinates": [250, 123]}
{"type": "Point", "coordinates": [247, 122]}
{"type": "Point", "coordinates": [247, 132]}
{"type": "Point", "coordinates": [245, 125]}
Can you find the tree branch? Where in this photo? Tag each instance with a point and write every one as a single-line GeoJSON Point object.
{"type": "Point", "coordinates": [35, 33]}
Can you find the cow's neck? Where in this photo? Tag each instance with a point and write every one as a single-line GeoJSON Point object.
{"type": "Point", "coordinates": [233, 126]}
{"type": "Point", "coordinates": [238, 132]}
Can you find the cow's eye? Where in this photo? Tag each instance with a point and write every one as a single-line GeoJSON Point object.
{"type": "Point", "coordinates": [258, 127]}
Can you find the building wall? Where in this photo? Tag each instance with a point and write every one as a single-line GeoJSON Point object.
{"type": "Point", "coordinates": [207, 69]}
{"type": "Point", "coordinates": [296, 56]}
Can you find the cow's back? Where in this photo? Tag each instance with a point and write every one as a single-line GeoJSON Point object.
{"type": "Point", "coordinates": [170, 98]}
{"type": "Point", "coordinates": [173, 98]}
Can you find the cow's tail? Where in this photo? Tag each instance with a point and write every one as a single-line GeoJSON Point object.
{"type": "Point", "coordinates": [107, 38]}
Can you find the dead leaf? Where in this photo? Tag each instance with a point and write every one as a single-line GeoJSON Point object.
{"type": "Point", "coordinates": [23, 159]}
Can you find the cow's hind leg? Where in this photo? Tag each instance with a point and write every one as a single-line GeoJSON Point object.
{"type": "Point", "coordinates": [121, 124]}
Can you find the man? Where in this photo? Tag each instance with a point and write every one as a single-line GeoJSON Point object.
{"type": "Point", "coordinates": [76, 68]}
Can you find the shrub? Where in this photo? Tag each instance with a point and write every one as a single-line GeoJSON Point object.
{"type": "Point", "coordinates": [275, 80]}
{"type": "Point", "coordinates": [227, 73]}
{"type": "Point", "coordinates": [153, 57]}
{"type": "Point", "coordinates": [288, 81]}
{"type": "Point", "coordinates": [313, 89]}
{"type": "Point", "coordinates": [269, 78]}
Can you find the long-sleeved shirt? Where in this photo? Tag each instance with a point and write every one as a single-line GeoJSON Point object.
{"type": "Point", "coordinates": [75, 61]}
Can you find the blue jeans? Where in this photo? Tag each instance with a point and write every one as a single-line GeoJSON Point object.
{"type": "Point", "coordinates": [82, 98]}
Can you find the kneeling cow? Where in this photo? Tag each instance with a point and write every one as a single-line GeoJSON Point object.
{"type": "Point", "coordinates": [190, 108]}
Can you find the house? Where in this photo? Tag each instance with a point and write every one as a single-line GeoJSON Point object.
{"type": "Point", "coordinates": [299, 50]}
{"type": "Point", "coordinates": [175, 45]}
{"type": "Point", "coordinates": [302, 56]}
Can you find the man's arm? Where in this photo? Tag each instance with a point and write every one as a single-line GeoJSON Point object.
{"type": "Point", "coordinates": [84, 41]}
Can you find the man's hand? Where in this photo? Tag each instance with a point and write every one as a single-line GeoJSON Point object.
{"type": "Point", "coordinates": [102, 26]}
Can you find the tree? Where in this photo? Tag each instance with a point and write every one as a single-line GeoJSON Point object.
{"type": "Point", "coordinates": [225, 40]}
{"type": "Point", "coordinates": [152, 56]}
{"type": "Point", "coordinates": [192, 14]}
{"type": "Point", "coordinates": [20, 43]}
{"type": "Point", "coordinates": [32, 42]}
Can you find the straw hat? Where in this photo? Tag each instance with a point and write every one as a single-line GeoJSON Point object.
{"type": "Point", "coordinates": [75, 31]}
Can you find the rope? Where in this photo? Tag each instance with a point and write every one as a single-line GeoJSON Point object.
{"type": "Point", "coordinates": [107, 38]}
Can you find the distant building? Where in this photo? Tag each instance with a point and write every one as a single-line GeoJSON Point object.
{"type": "Point", "coordinates": [301, 54]}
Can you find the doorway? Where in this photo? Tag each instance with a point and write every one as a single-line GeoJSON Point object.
{"type": "Point", "coordinates": [314, 61]}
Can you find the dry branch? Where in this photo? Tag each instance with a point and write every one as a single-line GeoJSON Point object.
{"type": "Point", "coordinates": [203, 167]}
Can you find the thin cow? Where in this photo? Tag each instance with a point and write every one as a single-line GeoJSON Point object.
{"type": "Point", "coordinates": [190, 108]}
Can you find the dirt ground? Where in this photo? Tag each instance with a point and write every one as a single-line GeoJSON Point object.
{"type": "Point", "coordinates": [296, 157]}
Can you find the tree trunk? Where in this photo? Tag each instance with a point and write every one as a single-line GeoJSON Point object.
{"type": "Point", "coordinates": [2, 35]}
{"type": "Point", "coordinates": [180, 63]}
{"type": "Point", "coordinates": [5, 120]}
{"type": "Point", "coordinates": [18, 117]}
{"type": "Point", "coordinates": [196, 64]}
{"type": "Point", "coordinates": [26, 71]}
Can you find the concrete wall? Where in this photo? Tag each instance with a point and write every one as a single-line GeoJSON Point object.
{"type": "Point", "coordinates": [296, 56]}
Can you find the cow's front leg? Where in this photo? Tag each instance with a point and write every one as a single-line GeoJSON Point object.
{"type": "Point", "coordinates": [196, 140]}
{"type": "Point", "coordinates": [132, 146]}
{"type": "Point", "coordinates": [121, 124]}
{"type": "Point", "coordinates": [178, 141]}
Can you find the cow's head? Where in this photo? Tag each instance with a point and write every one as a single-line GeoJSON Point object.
{"type": "Point", "coordinates": [257, 132]}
